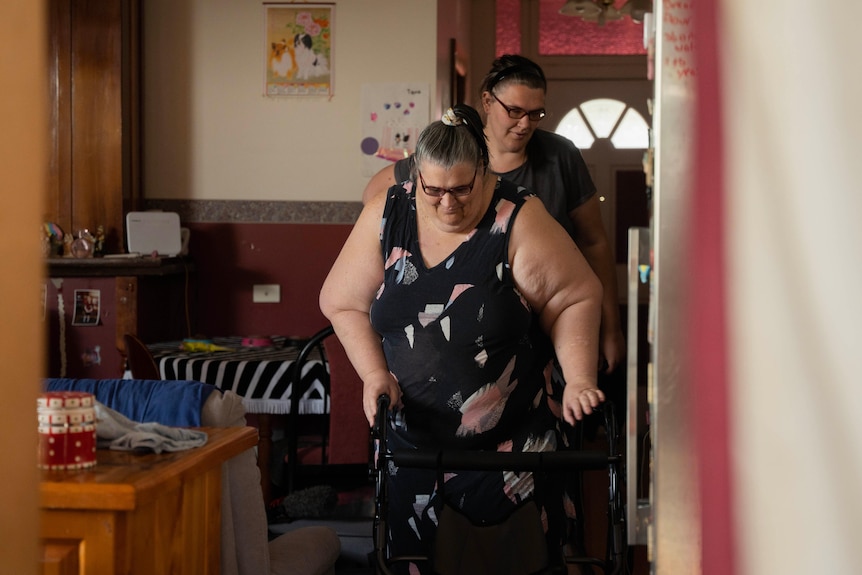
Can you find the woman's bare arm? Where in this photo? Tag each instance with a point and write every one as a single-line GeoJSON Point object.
{"type": "Point", "coordinates": [593, 242]}
{"type": "Point", "coordinates": [555, 278]}
{"type": "Point", "coordinates": [346, 297]}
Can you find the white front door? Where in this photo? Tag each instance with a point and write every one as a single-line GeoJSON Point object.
{"type": "Point", "coordinates": [611, 116]}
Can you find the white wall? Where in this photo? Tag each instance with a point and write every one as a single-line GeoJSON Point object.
{"type": "Point", "coordinates": [209, 134]}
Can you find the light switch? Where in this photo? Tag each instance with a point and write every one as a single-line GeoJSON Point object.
{"type": "Point", "coordinates": [266, 293]}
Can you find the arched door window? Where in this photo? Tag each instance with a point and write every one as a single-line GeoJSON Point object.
{"type": "Point", "coordinates": [605, 118]}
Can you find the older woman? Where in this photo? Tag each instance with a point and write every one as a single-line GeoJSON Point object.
{"type": "Point", "coordinates": [452, 295]}
{"type": "Point", "coordinates": [513, 105]}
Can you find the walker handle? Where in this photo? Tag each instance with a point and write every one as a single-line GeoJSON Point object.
{"type": "Point", "coordinates": [494, 460]}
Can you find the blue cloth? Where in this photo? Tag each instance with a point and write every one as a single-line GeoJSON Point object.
{"type": "Point", "coordinates": [175, 403]}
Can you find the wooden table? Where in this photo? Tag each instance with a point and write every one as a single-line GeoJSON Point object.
{"type": "Point", "coordinates": [139, 513]}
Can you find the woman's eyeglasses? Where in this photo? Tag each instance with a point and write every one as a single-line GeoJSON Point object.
{"type": "Point", "coordinates": [518, 113]}
{"type": "Point", "coordinates": [457, 191]}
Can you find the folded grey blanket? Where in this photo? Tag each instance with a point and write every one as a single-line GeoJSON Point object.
{"type": "Point", "coordinates": [116, 431]}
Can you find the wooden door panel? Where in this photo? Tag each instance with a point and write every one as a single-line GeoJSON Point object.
{"type": "Point", "coordinates": [58, 200]}
{"type": "Point", "coordinates": [97, 121]}
{"type": "Point", "coordinates": [93, 110]}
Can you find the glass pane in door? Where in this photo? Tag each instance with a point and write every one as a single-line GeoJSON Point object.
{"type": "Point", "coordinates": [508, 28]}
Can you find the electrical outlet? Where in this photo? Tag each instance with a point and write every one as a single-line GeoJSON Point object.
{"type": "Point", "coordinates": [266, 293]}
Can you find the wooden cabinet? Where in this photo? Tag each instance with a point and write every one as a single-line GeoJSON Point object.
{"type": "Point", "coordinates": [94, 106]}
{"type": "Point", "coordinates": [152, 298]}
{"type": "Point", "coordinates": [139, 514]}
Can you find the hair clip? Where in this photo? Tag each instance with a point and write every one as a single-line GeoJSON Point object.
{"type": "Point", "coordinates": [450, 119]}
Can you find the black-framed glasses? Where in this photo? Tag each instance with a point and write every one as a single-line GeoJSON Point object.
{"type": "Point", "coordinates": [458, 191]}
{"type": "Point", "coordinates": [518, 113]}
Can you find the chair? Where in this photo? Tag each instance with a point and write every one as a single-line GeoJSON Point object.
{"type": "Point", "coordinates": [340, 442]}
{"type": "Point", "coordinates": [345, 437]}
{"type": "Point", "coordinates": [320, 434]}
{"type": "Point", "coordinates": [140, 359]}
{"type": "Point", "coordinates": [245, 545]}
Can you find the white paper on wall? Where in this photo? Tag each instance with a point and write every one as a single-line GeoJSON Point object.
{"type": "Point", "coordinates": [393, 114]}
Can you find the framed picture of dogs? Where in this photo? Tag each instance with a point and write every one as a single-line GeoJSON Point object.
{"type": "Point", "coordinates": [298, 46]}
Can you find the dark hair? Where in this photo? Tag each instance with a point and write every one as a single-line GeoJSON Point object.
{"type": "Point", "coordinates": [448, 145]}
{"type": "Point", "coordinates": [517, 69]}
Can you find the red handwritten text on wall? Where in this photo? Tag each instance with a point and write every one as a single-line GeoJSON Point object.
{"type": "Point", "coordinates": [679, 41]}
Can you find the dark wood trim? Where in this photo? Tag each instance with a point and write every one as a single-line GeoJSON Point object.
{"type": "Point", "coordinates": [110, 267]}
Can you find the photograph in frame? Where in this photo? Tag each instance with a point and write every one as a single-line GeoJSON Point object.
{"type": "Point", "coordinates": [87, 307]}
{"type": "Point", "coordinates": [298, 48]}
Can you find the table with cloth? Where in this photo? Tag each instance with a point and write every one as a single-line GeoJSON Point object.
{"type": "Point", "coordinates": [263, 376]}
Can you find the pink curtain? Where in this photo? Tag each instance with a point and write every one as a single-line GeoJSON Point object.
{"type": "Point", "coordinates": [776, 264]}
{"type": "Point", "coordinates": [707, 314]}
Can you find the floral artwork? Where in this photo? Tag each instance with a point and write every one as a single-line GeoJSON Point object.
{"type": "Point", "coordinates": [299, 49]}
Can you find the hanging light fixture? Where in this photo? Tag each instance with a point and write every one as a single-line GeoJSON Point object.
{"type": "Point", "coordinates": [596, 10]}
{"type": "Point", "coordinates": [586, 9]}
{"type": "Point", "coordinates": [639, 8]}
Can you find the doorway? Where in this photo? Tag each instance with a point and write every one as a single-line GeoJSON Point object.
{"type": "Point", "coordinates": [609, 122]}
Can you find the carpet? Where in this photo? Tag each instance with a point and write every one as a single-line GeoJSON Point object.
{"type": "Point", "coordinates": [349, 511]}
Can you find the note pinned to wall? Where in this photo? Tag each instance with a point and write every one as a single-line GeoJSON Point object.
{"type": "Point", "coordinates": [393, 115]}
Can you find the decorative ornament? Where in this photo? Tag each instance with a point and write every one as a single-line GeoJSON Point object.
{"type": "Point", "coordinates": [450, 119]}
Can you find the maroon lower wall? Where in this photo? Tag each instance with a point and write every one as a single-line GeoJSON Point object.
{"type": "Point", "coordinates": [230, 258]}
{"type": "Point", "coordinates": [80, 350]}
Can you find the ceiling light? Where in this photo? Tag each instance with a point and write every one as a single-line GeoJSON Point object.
{"type": "Point", "coordinates": [582, 8]}
{"type": "Point", "coordinates": [639, 8]}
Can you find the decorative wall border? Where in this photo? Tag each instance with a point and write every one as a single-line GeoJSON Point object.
{"type": "Point", "coordinates": [256, 211]}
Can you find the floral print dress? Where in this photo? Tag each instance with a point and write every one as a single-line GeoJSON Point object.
{"type": "Point", "coordinates": [474, 369]}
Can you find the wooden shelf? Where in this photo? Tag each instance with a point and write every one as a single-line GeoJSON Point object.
{"type": "Point", "coordinates": [111, 267]}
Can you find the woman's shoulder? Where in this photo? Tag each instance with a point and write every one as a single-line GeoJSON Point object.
{"type": "Point", "coordinates": [513, 200]}
{"type": "Point", "coordinates": [550, 149]}
{"type": "Point", "coordinates": [551, 140]}
{"type": "Point", "coordinates": [511, 190]}
{"type": "Point", "coordinates": [403, 168]}
{"type": "Point", "coordinates": [532, 215]}
{"type": "Point", "coordinates": [398, 199]}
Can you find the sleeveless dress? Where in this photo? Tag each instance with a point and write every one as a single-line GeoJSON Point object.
{"type": "Point", "coordinates": [473, 366]}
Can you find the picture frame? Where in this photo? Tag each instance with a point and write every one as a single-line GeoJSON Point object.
{"type": "Point", "coordinates": [87, 311]}
{"type": "Point", "coordinates": [298, 47]}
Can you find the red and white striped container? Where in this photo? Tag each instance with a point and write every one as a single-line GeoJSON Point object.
{"type": "Point", "coordinates": [67, 430]}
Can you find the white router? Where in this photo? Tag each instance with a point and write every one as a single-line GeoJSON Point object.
{"type": "Point", "coordinates": [153, 232]}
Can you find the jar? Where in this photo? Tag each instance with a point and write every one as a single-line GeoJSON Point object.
{"type": "Point", "coordinates": [67, 430]}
